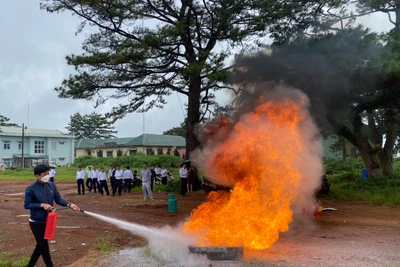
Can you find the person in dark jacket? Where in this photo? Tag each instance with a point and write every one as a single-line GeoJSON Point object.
{"type": "Point", "coordinates": [153, 176]}
{"type": "Point", "coordinates": [39, 199]}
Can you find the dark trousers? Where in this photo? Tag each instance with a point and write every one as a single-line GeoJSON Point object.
{"type": "Point", "coordinates": [117, 185]}
{"type": "Point", "coordinates": [164, 180]}
{"type": "Point", "coordinates": [127, 185]}
{"type": "Point", "coordinates": [42, 246]}
{"type": "Point", "coordinates": [112, 182]}
{"type": "Point", "coordinates": [94, 184]}
{"type": "Point", "coordinates": [152, 182]}
{"type": "Point", "coordinates": [103, 184]}
{"type": "Point", "coordinates": [89, 184]}
{"type": "Point", "coordinates": [80, 184]}
{"type": "Point", "coordinates": [183, 186]}
{"type": "Point", "coordinates": [52, 179]}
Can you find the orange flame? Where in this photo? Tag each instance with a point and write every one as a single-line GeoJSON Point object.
{"type": "Point", "coordinates": [259, 160]}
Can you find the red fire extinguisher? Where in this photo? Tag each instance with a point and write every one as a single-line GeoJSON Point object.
{"type": "Point", "coordinates": [51, 222]}
{"type": "Point", "coordinates": [318, 209]}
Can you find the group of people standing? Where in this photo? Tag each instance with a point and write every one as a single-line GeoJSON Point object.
{"type": "Point", "coordinates": [120, 179]}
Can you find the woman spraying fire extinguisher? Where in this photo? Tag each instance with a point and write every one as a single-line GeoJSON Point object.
{"type": "Point", "coordinates": [39, 199]}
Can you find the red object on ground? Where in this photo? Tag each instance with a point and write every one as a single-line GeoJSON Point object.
{"type": "Point", "coordinates": [51, 222]}
{"type": "Point", "coordinates": [318, 209]}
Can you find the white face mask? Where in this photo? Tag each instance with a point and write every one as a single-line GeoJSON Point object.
{"type": "Point", "coordinates": [45, 179]}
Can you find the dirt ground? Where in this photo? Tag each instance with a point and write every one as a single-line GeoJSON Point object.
{"type": "Point", "coordinates": [357, 234]}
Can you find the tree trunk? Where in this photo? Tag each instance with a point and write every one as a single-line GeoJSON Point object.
{"type": "Point", "coordinates": [193, 115]}
{"type": "Point", "coordinates": [385, 156]}
{"type": "Point", "coordinates": [370, 160]}
{"type": "Point", "coordinates": [367, 153]}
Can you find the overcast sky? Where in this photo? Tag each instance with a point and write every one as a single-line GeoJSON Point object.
{"type": "Point", "coordinates": [32, 63]}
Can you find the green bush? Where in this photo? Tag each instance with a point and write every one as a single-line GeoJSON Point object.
{"type": "Point", "coordinates": [347, 183]}
{"type": "Point", "coordinates": [135, 161]}
{"type": "Point", "coordinates": [342, 166]}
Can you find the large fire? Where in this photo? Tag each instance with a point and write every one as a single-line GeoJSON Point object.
{"type": "Point", "coordinates": [260, 159]}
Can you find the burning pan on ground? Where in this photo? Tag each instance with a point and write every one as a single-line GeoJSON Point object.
{"type": "Point", "coordinates": [219, 253]}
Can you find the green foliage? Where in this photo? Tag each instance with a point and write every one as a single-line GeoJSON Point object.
{"type": "Point", "coordinates": [347, 184]}
{"type": "Point", "coordinates": [343, 166]}
{"type": "Point", "coordinates": [10, 260]}
{"type": "Point", "coordinates": [131, 63]}
{"type": "Point", "coordinates": [63, 173]}
{"type": "Point", "coordinates": [180, 131]}
{"type": "Point", "coordinates": [104, 243]}
{"type": "Point", "coordinates": [133, 161]}
{"type": "Point", "coordinates": [90, 126]}
{"type": "Point", "coordinates": [100, 153]}
{"type": "Point", "coordinates": [4, 121]}
{"type": "Point", "coordinates": [172, 186]}
{"type": "Point", "coordinates": [119, 153]}
{"type": "Point", "coordinates": [176, 153]}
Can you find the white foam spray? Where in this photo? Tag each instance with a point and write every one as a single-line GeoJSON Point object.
{"type": "Point", "coordinates": [168, 243]}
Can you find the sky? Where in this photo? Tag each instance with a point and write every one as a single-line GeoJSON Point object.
{"type": "Point", "coordinates": [32, 63]}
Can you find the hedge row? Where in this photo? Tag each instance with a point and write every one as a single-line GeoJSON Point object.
{"type": "Point", "coordinates": [132, 161]}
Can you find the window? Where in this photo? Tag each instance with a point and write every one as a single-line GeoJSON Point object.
{"type": "Point", "coordinates": [61, 159]}
{"type": "Point", "coordinates": [149, 151]}
{"type": "Point", "coordinates": [62, 143]}
{"type": "Point", "coordinates": [39, 147]}
{"type": "Point", "coordinates": [19, 145]}
{"type": "Point", "coordinates": [109, 154]}
{"type": "Point", "coordinates": [7, 162]}
{"type": "Point", "coordinates": [132, 152]}
{"type": "Point", "coordinates": [53, 145]}
{"type": "Point", "coordinates": [7, 145]}
{"type": "Point", "coordinates": [160, 151]}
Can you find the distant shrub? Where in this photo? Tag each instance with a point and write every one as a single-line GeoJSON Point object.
{"type": "Point", "coordinates": [133, 161]}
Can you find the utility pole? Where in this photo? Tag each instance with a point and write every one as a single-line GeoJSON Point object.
{"type": "Point", "coordinates": [22, 147]}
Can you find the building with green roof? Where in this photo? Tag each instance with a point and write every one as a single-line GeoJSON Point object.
{"type": "Point", "coordinates": [147, 144]}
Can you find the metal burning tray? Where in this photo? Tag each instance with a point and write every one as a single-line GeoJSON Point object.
{"type": "Point", "coordinates": [219, 253]}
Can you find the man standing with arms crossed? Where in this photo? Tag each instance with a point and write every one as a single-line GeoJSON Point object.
{"type": "Point", "coordinates": [146, 183]}
{"type": "Point", "coordinates": [118, 180]}
{"type": "Point", "coordinates": [39, 199]}
{"type": "Point", "coordinates": [80, 177]}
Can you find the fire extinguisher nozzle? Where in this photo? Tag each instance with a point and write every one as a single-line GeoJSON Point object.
{"type": "Point", "coordinates": [81, 210]}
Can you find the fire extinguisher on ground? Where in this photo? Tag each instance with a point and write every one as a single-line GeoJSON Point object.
{"type": "Point", "coordinates": [318, 209]}
{"type": "Point", "coordinates": [51, 222]}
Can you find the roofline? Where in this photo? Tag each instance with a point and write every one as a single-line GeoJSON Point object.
{"type": "Point", "coordinates": [37, 135]}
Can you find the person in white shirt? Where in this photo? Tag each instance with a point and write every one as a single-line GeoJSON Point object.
{"type": "Point", "coordinates": [118, 180]}
{"type": "Point", "coordinates": [183, 172]}
{"type": "Point", "coordinates": [89, 179]}
{"type": "Point", "coordinates": [158, 171]}
{"type": "Point", "coordinates": [95, 184]}
{"type": "Point", "coordinates": [164, 175]}
{"type": "Point", "coordinates": [52, 174]}
{"type": "Point", "coordinates": [80, 177]}
{"type": "Point", "coordinates": [103, 182]}
{"type": "Point", "coordinates": [128, 176]}
{"type": "Point", "coordinates": [146, 183]}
